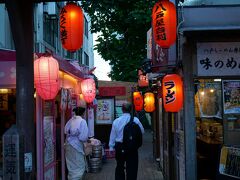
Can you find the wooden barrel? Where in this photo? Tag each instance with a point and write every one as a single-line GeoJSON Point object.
{"type": "Point", "coordinates": [95, 164]}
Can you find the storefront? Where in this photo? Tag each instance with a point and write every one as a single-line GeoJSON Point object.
{"type": "Point", "coordinates": [51, 115]}
{"type": "Point", "coordinates": [216, 103]}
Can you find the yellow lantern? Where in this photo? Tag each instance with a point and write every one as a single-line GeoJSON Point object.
{"type": "Point", "coordinates": [149, 102]}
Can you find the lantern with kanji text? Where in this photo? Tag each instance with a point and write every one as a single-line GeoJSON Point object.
{"type": "Point", "coordinates": [71, 26]}
{"type": "Point", "coordinates": [88, 88]}
{"type": "Point", "coordinates": [149, 102]}
{"type": "Point", "coordinates": [46, 71]}
{"type": "Point", "coordinates": [172, 92]}
{"type": "Point", "coordinates": [164, 23]}
{"type": "Point", "coordinates": [137, 101]}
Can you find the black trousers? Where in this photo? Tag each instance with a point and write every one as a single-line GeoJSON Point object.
{"type": "Point", "coordinates": [129, 159]}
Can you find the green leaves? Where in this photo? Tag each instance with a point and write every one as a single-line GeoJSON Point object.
{"type": "Point", "coordinates": [123, 25]}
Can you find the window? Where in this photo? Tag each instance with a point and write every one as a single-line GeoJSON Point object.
{"type": "Point", "coordinates": [86, 59]}
{"type": "Point", "coordinates": [50, 28]}
{"type": "Point", "coordinates": [70, 55]}
{"type": "Point", "coordinates": [80, 60]}
{"type": "Point", "coordinates": [85, 27]}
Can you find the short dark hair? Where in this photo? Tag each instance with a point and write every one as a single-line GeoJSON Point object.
{"type": "Point", "coordinates": [127, 107]}
{"type": "Point", "coordinates": [79, 111]}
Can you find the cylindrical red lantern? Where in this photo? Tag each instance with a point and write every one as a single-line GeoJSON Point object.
{"type": "Point", "coordinates": [88, 88]}
{"type": "Point", "coordinates": [71, 26]}
{"type": "Point", "coordinates": [149, 102]}
{"type": "Point", "coordinates": [164, 23]}
{"type": "Point", "coordinates": [46, 70]}
{"type": "Point", "coordinates": [137, 100]}
{"type": "Point", "coordinates": [172, 92]}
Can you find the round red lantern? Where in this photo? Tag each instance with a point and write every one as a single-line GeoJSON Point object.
{"type": "Point", "coordinates": [164, 23]}
{"type": "Point", "coordinates": [88, 90]}
{"type": "Point", "coordinates": [172, 92]}
{"type": "Point", "coordinates": [71, 26]}
{"type": "Point", "coordinates": [137, 100]}
{"type": "Point", "coordinates": [149, 102]}
{"type": "Point", "coordinates": [46, 70]}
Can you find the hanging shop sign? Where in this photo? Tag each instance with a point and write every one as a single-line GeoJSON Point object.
{"type": "Point", "coordinates": [46, 70]}
{"type": "Point", "coordinates": [112, 91]}
{"type": "Point", "coordinates": [149, 102]}
{"type": "Point", "coordinates": [137, 101]}
{"type": "Point", "coordinates": [88, 88]}
{"type": "Point", "coordinates": [172, 92]}
{"type": "Point", "coordinates": [164, 23]}
{"type": "Point", "coordinates": [71, 26]}
{"type": "Point", "coordinates": [218, 59]}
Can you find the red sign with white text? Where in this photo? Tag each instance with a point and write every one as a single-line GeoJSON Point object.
{"type": "Point", "coordinates": [112, 91]}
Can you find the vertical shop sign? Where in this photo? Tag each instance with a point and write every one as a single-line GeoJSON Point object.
{"type": "Point", "coordinates": [90, 122]}
{"type": "Point", "coordinates": [218, 59]}
{"type": "Point", "coordinates": [159, 58]}
{"type": "Point", "coordinates": [149, 44]}
{"type": "Point", "coordinates": [64, 94]}
{"type": "Point", "coordinates": [48, 140]}
{"type": "Point", "coordinates": [13, 161]}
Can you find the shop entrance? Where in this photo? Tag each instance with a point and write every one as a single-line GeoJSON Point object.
{"type": "Point", "coordinates": [209, 126]}
{"type": "Point", "coordinates": [7, 115]}
{"type": "Point", "coordinates": [217, 122]}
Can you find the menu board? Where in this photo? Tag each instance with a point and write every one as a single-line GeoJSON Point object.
{"type": "Point", "coordinates": [230, 162]}
{"type": "Point", "coordinates": [231, 96]}
{"type": "Point", "coordinates": [105, 111]}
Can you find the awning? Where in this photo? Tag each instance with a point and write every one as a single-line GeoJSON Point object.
{"type": "Point", "coordinates": [8, 68]}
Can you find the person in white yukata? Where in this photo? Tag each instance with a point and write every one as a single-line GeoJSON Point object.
{"type": "Point", "coordinates": [76, 131]}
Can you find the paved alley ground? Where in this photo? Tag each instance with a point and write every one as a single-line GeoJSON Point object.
{"type": "Point", "coordinates": [147, 169]}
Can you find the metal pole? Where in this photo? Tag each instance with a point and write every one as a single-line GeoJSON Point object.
{"type": "Point", "coordinates": [21, 21]}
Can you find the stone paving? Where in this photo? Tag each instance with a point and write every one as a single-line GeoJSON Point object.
{"type": "Point", "coordinates": [147, 169]}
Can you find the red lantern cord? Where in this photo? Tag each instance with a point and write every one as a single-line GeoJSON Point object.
{"type": "Point", "coordinates": [46, 71]}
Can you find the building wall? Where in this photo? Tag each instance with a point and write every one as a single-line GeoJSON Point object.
{"type": "Point", "coordinates": [6, 41]}
{"type": "Point", "coordinates": [48, 11]}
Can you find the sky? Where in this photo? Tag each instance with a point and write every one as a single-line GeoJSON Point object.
{"type": "Point", "coordinates": [102, 67]}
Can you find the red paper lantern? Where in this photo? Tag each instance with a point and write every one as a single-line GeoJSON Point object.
{"type": "Point", "coordinates": [88, 90]}
{"type": "Point", "coordinates": [71, 26]}
{"type": "Point", "coordinates": [172, 92]}
{"type": "Point", "coordinates": [164, 23]}
{"type": "Point", "coordinates": [46, 70]}
{"type": "Point", "coordinates": [137, 100]}
{"type": "Point", "coordinates": [142, 79]}
{"type": "Point", "coordinates": [149, 102]}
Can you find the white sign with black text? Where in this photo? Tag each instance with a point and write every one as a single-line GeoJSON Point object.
{"type": "Point", "coordinates": [218, 59]}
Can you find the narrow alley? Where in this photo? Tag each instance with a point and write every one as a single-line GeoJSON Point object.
{"type": "Point", "coordinates": [147, 169]}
